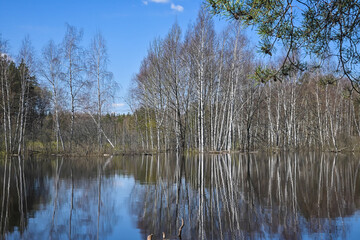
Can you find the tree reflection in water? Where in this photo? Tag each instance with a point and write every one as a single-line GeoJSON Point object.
{"type": "Point", "coordinates": [242, 196]}
{"type": "Point", "coordinates": [13, 195]}
{"type": "Point", "coordinates": [250, 196]}
{"type": "Point", "coordinates": [62, 202]}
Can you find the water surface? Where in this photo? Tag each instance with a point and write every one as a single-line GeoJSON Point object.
{"type": "Point", "coordinates": [238, 196]}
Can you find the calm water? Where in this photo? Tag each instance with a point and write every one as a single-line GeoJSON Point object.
{"type": "Point", "coordinates": [288, 196]}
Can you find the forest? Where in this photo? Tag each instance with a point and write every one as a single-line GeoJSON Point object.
{"type": "Point", "coordinates": [196, 90]}
{"type": "Point", "coordinates": [236, 128]}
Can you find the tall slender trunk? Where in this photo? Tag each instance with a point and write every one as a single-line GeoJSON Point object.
{"type": "Point", "coordinates": [318, 108]}
{"type": "Point", "coordinates": [217, 94]}
{"type": "Point", "coordinates": [99, 103]}
{"type": "Point", "coordinates": [22, 111]}
{"type": "Point", "coordinates": [271, 124]}
{"type": "Point", "coordinates": [7, 87]}
{"type": "Point", "coordinates": [235, 71]}
{"type": "Point", "coordinates": [58, 135]}
{"type": "Point", "coordinates": [72, 95]}
{"type": "Point", "coordinates": [201, 91]}
{"type": "Point", "coordinates": [3, 76]}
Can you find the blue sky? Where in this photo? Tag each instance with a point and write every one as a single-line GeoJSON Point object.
{"type": "Point", "coordinates": [127, 25]}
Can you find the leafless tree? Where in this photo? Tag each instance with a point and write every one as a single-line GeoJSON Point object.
{"type": "Point", "coordinates": [73, 56]}
{"type": "Point", "coordinates": [101, 79]}
{"type": "Point", "coordinates": [50, 70]}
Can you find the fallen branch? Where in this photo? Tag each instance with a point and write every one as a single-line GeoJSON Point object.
{"type": "Point", "coordinates": [102, 132]}
{"type": "Point", "coordinates": [338, 150]}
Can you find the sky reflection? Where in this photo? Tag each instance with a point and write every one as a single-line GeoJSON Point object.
{"type": "Point", "coordinates": [287, 196]}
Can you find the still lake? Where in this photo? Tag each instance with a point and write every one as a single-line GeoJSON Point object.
{"type": "Point", "coordinates": [238, 196]}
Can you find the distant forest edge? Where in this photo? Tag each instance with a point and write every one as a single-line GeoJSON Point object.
{"type": "Point", "coordinates": [194, 91]}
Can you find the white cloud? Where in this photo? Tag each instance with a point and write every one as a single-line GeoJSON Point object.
{"type": "Point", "coordinates": [118, 105]}
{"type": "Point", "coordinates": [178, 8]}
{"type": "Point", "coordinates": [173, 6]}
{"type": "Point", "coordinates": [159, 1]}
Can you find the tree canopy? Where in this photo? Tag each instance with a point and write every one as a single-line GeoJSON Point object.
{"type": "Point", "coordinates": [311, 31]}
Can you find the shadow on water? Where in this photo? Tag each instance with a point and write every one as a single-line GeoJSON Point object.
{"type": "Point", "coordinates": [286, 196]}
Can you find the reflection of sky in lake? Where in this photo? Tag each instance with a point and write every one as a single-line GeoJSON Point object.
{"type": "Point", "coordinates": [354, 226]}
{"type": "Point", "coordinates": [350, 225]}
{"type": "Point", "coordinates": [219, 197]}
{"type": "Point", "coordinates": [115, 220]}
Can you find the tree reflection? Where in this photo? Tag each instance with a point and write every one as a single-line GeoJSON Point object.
{"type": "Point", "coordinates": [249, 196]}
{"type": "Point", "coordinates": [241, 196]}
{"type": "Point", "coordinates": [5, 196]}
{"type": "Point", "coordinates": [65, 196]}
{"type": "Point", "coordinates": [14, 195]}
{"type": "Point", "coordinates": [58, 167]}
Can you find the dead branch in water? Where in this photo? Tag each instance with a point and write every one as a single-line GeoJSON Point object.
{"type": "Point", "coordinates": [149, 237]}
{"type": "Point", "coordinates": [181, 227]}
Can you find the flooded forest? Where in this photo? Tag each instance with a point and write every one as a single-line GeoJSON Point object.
{"type": "Point", "coordinates": [210, 149]}
{"type": "Point", "coordinates": [195, 90]}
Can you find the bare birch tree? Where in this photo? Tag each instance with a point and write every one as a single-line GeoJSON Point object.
{"type": "Point", "coordinates": [74, 70]}
{"type": "Point", "coordinates": [27, 70]}
{"type": "Point", "coordinates": [100, 78]}
{"type": "Point", "coordinates": [51, 72]}
{"type": "Point", "coordinates": [5, 75]}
